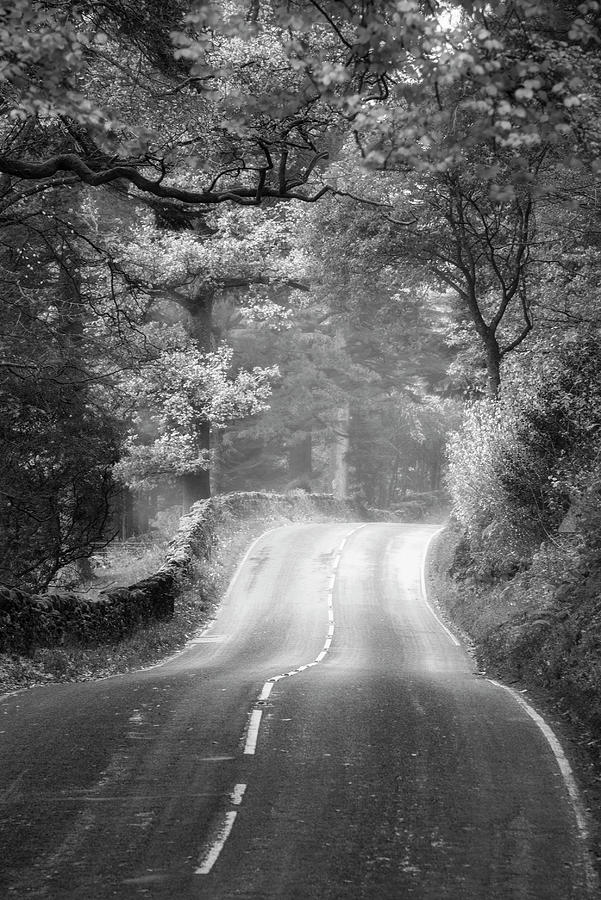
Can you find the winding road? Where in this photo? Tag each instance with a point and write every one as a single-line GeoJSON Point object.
{"type": "Point", "coordinates": [325, 738]}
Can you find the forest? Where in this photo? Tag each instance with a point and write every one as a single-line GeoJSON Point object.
{"type": "Point", "coordinates": [344, 247]}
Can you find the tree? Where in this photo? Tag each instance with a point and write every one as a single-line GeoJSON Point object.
{"type": "Point", "coordinates": [59, 439]}
{"type": "Point", "coordinates": [397, 447]}
{"type": "Point", "coordinates": [186, 273]}
{"type": "Point", "coordinates": [420, 83]}
{"type": "Point", "coordinates": [172, 398]}
{"type": "Point", "coordinates": [454, 234]}
{"type": "Point", "coordinates": [361, 345]}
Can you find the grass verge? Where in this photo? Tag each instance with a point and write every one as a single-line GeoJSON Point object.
{"type": "Point", "coordinates": [539, 632]}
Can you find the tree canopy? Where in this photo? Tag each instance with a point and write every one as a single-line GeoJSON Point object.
{"type": "Point", "coordinates": [205, 102]}
{"type": "Point", "coordinates": [246, 239]}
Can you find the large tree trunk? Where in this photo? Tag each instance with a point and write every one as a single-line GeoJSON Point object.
{"type": "Point", "coordinates": [341, 422]}
{"type": "Point", "coordinates": [216, 474]}
{"type": "Point", "coordinates": [197, 485]}
{"type": "Point", "coordinates": [493, 366]}
{"type": "Point", "coordinates": [339, 452]}
{"type": "Point", "coordinates": [136, 511]}
{"type": "Point", "coordinates": [300, 462]}
{"type": "Point", "coordinates": [436, 468]}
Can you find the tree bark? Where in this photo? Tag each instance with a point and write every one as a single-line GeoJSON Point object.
{"type": "Point", "coordinates": [341, 438]}
{"type": "Point", "coordinates": [300, 462]}
{"type": "Point", "coordinates": [493, 365]}
{"type": "Point", "coordinates": [200, 320]}
{"type": "Point", "coordinates": [197, 485]}
{"type": "Point", "coordinates": [339, 452]}
{"type": "Point", "coordinates": [216, 475]}
{"type": "Point", "coordinates": [136, 511]}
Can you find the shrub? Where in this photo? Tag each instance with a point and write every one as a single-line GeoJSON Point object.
{"type": "Point", "coordinates": [519, 462]}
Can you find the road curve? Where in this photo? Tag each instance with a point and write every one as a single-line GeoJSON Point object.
{"type": "Point", "coordinates": [326, 737]}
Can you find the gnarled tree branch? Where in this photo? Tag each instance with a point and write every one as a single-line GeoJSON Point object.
{"type": "Point", "coordinates": [31, 170]}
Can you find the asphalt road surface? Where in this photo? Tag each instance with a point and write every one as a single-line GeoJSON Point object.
{"type": "Point", "coordinates": [326, 737]}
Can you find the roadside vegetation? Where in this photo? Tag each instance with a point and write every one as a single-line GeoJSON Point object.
{"type": "Point", "coordinates": [519, 567]}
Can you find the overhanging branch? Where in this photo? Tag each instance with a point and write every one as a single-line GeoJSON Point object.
{"type": "Point", "coordinates": [30, 170]}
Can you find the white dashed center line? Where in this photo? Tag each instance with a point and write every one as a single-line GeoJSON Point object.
{"type": "Point", "coordinates": [211, 853]}
{"type": "Point", "coordinates": [255, 720]}
{"type": "Point", "coordinates": [253, 731]}
{"type": "Point", "coordinates": [211, 857]}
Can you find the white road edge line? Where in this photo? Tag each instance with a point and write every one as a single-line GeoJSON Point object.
{"type": "Point", "coordinates": [236, 574]}
{"type": "Point", "coordinates": [425, 590]}
{"type": "Point", "coordinates": [548, 733]}
{"type": "Point", "coordinates": [566, 773]}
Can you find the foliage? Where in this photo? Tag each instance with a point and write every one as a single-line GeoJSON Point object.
{"type": "Point", "coordinates": [79, 368]}
{"type": "Point", "coordinates": [59, 438]}
{"type": "Point", "coordinates": [518, 464]}
{"type": "Point", "coordinates": [264, 88]}
{"type": "Point", "coordinates": [172, 397]}
{"type": "Point", "coordinates": [102, 92]}
{"type": "Point", "coordinates": [361, 338]}
{"type": "Point", "coordinates": [539, 629]}
{"type": "Point", "coordinates": [55, 473]}
{"type": "Point", "coordinates": [397, 447]}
